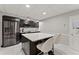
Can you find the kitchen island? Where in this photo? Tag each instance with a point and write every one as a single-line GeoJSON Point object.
{"type": "Point", "coordinates": [30, 41]}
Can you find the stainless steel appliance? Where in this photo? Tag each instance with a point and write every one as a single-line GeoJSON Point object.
{"type": "Point", "coordinates": [10, 31]}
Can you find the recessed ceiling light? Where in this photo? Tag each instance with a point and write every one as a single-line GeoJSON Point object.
{"type": "Point", "coordinates": [28, 6]}
{"type": "Point", "coordinates": [44, 13]}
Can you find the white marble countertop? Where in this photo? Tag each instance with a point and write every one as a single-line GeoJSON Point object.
{"type": "Point", "coordinates": [37, 36]}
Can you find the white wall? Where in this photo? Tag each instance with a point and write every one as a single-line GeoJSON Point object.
{"type": "Point", "coordinates": [55, 25]}
{"type": "Point", "coordinates": [58, 24]}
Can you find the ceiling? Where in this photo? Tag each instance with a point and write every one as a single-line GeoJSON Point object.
{"type": "Point", "coordinates": [35, 11]}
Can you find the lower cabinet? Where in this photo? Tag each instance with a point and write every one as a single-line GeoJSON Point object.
{"type": "Point", "coordinates": [26, 48]}
{"type": "Point", "coordinates": [29, 47]}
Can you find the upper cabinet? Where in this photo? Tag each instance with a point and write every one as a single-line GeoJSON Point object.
{"type": "Point", "coordinates": [33, 24]}
{"type": "Point", "coordinates": [21, 22]}
{"type": "Point", "coordinates": [30, 23]}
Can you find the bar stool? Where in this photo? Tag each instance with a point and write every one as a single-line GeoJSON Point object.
{"type": "Point", "coordinates": [47, 45]}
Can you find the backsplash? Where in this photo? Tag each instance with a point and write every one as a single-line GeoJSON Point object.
{"type": "Point", "coordinates": [26, 30]}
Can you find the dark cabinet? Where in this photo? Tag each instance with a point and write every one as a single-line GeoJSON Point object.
{"type": "Point", "coordinates": [29, 23]}
{"type": "Point", "coordinates": [21, 23]}
{"type": "Point", "coordinates": [33, 24]}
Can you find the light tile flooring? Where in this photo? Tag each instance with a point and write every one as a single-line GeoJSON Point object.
{"type": "Point", "coordinates": [61, 49]}
{"type": "Point", "coordinates": [12, 50]}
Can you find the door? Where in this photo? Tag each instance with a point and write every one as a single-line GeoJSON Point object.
{"type": "Point", "coordinates": [74, 31]}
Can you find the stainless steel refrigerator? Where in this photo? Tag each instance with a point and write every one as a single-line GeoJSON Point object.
{"type": "Point", "coordinates": [10, 31]}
